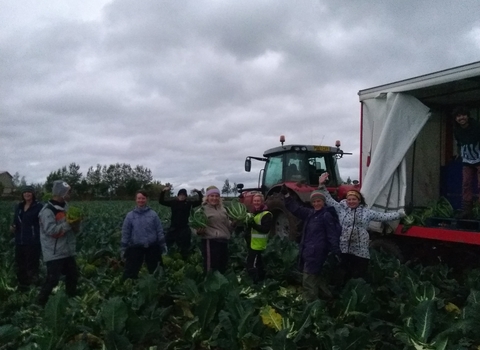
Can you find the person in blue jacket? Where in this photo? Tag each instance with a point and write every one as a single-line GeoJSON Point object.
{"type": "Point", "coordinates": [319, 237]}
{"type": "Point", "coordinates": [26, 229]}
{"type": "Point", "coordinates": [142, 238]}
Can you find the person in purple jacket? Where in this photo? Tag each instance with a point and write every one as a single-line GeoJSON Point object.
{"type": "Point", "coordinates": [319, 237]}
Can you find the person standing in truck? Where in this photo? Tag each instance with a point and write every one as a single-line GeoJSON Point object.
{"type": "Point", "coordinates": [179, 231]}
{"type": "Point", "coordinates": [467, 135]}
{"type": "Point", "coordinates": [26, 229]}
{"type": "Point", "coordinates": [355, 217]}
{"type": "Point", "coordinates": [258, 229]}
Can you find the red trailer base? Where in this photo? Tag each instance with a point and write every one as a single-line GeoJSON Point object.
{"type": "Point", "coordinates": [441, 234]}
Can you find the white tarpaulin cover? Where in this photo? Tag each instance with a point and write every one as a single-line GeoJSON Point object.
{"type": "Point", "coordinates": [397, 121]}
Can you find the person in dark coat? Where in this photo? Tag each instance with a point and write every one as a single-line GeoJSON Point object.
{"type": "Point", "coordinates": [319, 237]}
{"type": "Point", "coordinates": [179, 232]}
{"type": "Point", "coordinates": [26, 228]}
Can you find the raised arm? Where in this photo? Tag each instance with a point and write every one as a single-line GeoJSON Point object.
{"type": "Point", "coordinates": [296, 209]}
{"type": "Point", "coordinates": [377, 216]}
{"type": "Point", "coordinates": [196, 203]}
{"type": "Point", "coordinates": [328, 197]}
{"type": "Point", "coordinates": [162, 199]}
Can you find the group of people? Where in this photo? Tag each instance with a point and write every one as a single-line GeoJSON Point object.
{"type": "Point", "coordinates": [329, 226]}
{"type": "Point", "coordinates": [44, 229]}
{"type": "Point", "coordinates": [342, 232]}
{"type": "Point", "coordinates": [339, 228]}
{"type": "Point", "coordinates": [216, 235]}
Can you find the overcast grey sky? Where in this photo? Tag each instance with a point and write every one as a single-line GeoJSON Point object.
{"type": "Point", "coordinates": [190, 88]}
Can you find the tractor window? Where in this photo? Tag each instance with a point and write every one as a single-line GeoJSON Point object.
{"type": "Point", "coordinates": [294, 169]}
{"type": "Point", "coordinates": [316, 167]}
{"type": "Point", "coordinates": [273, 171]}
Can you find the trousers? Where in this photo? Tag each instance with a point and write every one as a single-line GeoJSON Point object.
{"type": "Point", "coordinates": [136, 256]}
{"type": "Point", "coordinates": [56, 268]}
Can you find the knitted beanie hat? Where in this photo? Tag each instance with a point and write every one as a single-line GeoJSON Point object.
{"type": "Point", "coordinates": [317, 195]}
{"type": "Point", "coordinates": [60, 188]}
{"type": "Point", "coordinates": [28, 189]}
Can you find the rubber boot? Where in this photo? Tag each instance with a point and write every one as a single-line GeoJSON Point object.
{"type": "Point", "coordinates": [467, 211]}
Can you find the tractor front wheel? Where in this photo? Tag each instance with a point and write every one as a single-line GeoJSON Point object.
{"type": "Point", "coordinates": [284, 223]}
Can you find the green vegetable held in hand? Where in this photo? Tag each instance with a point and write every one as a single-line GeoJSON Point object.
{"type": "Point", "coordinates": [198, 219]}
{"type": "Point", "coordinates": [237, 211]}
{"type": "Point", "coordinates": [74, 214]}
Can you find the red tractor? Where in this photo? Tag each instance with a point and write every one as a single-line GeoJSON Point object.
{"type": "Point", "coordinates": [298, 167]}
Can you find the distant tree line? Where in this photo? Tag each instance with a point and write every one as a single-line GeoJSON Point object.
{"type": "Point", "coordinates": [115, 181]}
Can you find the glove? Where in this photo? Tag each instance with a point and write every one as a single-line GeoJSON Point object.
{"type": "Point", "coordinates": [164, 249]}
{"type": "Point", "coordinates": [402, 213]}
{"type": "Point", "coordinates": [284, 190]}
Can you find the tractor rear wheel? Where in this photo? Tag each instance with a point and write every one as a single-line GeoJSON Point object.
{"type": "Point", "coordinates": [284, 223]}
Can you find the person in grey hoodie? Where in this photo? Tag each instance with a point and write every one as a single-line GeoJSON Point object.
{"type": "Point", "coordinates": [58, 243]}
{"type": "Point", "coordinates": [142, 238]}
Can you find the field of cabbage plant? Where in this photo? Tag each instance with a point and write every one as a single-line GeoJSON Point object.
{"type": "Point", "coordinates": [402, 307]}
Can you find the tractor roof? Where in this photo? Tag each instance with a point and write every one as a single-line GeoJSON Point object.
{"type": "Point", "coordinates": [300, 148]}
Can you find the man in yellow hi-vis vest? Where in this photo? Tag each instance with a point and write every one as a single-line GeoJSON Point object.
{"type": "Point", "coordinates": [257, 237]}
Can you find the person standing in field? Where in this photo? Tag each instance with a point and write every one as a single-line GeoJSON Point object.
{"type": "Point", "coordinates": [215, 236]}
{"type": "Point", "coordinates": [257, 237]}
{"type": "Point", "coordinates": [467, 135]}
{"type": "Point", "coordinates": [355, 217]}
{"type": "Point", "coordinates": [179, 231]}
{"type": "Point", "coordinates": [319, 237]}
{"type": "Point", "coordinates": [26, 228]}
{"type": "Point", "coordinates": [58, 242]}
{"type": "Point", "coordinates": [142, 238]}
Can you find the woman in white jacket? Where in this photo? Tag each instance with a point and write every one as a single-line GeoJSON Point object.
{"type": "Point", "coordinates": [355, 217]}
